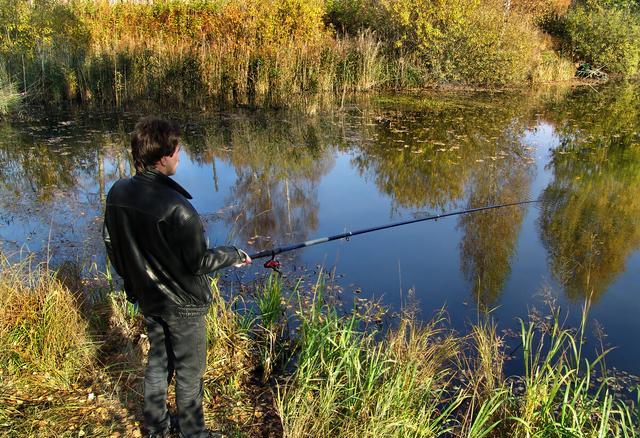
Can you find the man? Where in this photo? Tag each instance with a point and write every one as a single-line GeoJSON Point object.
{"type": "Point", "coordinates": [156, 242]}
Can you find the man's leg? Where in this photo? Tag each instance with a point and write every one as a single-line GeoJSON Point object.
{"type": "Point", "coordinates": [189, 341]}
{"type": "Point", "coordinates": [157, 376]}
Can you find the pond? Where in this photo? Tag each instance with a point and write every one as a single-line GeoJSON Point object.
{"type": "Point", "coordinates": [262, 180]}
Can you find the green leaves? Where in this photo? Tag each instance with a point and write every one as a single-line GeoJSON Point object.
{"type": "Point", "coordinates": [607, 37]}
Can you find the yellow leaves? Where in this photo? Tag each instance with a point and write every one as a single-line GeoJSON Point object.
{"type": "Point", "coordinates": [243, 24]}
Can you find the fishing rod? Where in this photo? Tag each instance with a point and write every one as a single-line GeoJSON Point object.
{"type": "Point", "coordinates": [274, 264]}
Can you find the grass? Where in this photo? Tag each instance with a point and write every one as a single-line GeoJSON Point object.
{"type": "Point", "coordinates": [72, 367]}
{"type": "Point", "coordinates": [10, 99]}
{"type": "Point", "coordinates": [347, 384]}
{"type": "Point", "coordinates": [47, 359]}
{"type": "Point", "coordinates": [271, 328]}
{"type": "Point", "coordinates": [41, 328]}
{"type": "Point", "coordinates": [559, 396]}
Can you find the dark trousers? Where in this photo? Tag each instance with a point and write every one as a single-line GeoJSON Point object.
{"type": "Point", "coordinates": [177, 345]}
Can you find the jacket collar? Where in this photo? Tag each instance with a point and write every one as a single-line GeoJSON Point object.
{"type": "Point", "coordinates": [154, 176]}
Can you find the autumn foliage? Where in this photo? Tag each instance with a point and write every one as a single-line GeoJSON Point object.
{"type": "Point", "coordinates": [263, 53]}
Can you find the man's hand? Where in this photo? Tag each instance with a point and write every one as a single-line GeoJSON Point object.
{"type": "Point", "coordinates": [246, 260]}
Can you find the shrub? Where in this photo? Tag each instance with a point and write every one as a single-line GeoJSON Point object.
{"type": "Point", "coordinates": [465, 41]}
{"type": "Point", "coordinates": [540, 10]}
{"type": "Point", "coordinates": [349, 16]}
{"type": "Point", "coordinates": [607, 38]}
{"type": "Point", "coordinates": [491, 49]}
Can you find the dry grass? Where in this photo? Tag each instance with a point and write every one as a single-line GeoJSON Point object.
{"type": "Point", "coordinates": [41, 328]}
{"type": "Point", "coordinates": [50, 382]}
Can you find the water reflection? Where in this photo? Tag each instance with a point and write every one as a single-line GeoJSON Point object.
{"type": "Point", "coordinates": [488, 243]}
{"type": "Point", "coordinates": [52, 184]}
{"type": "Point", "coordinates": [424, 152]}
{"type": "Point", "coordinates": [38, 168]}
{"type": "Point", "coordinates": [590, 218]}
{"type": "Point", "coordinates": [419, 152]}
{"type": "Point", "coordinates": [437, 154]}
{"type": "Point", "coordinates": [279, 164]}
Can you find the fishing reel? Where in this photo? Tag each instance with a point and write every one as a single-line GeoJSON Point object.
{"type": "Point", "coordinates": [273, 264]}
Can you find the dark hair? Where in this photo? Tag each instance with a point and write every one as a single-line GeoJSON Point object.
{"type": "Point", "coordinates": [152, 139]}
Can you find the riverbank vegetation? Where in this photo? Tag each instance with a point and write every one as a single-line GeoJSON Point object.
{"type": "Point", "coordinates": [261, 53]}
{"type": "Point", "coordinates": [283, 361]}
{"type": "Point", "coordinates": [9, 96]}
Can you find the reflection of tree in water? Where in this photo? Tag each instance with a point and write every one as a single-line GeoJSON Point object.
{"type": "Point", "coordinates": [447, 150]}
{"type": "Point", "coordinates": [56, 158]}
{"type": "Point", "coordinates": [49, 176]}
{"type": "Point", "coordinates": [424, 155]}
{"type": "Point", "coordinates": [590, 219]}
{"type": "Point", "coordinates": [36, 167]}
{"type": "Point", "coordinates": [279, 165]}
{"type": "Point", "coordinates": [283, 210]}
{"type": "Point", "coordinates": [490, 237]}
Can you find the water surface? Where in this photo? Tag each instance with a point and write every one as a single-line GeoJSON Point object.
{"type": "Point", "coordinates": [269, 179]}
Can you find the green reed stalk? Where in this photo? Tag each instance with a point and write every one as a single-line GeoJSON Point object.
{"type": "Point", "coordinates": [271, 309]}
{"type": "Point", "coordinates": [559, 398]}
{"type": "Point", "coordinates": [348, 384]}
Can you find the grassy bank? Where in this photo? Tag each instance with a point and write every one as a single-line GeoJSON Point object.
{"type": "Point", "coordinates": [264, 53]}
{"type": "Point", "coordinates": [290, 365]}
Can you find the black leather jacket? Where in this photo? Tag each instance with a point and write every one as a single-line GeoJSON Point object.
{"type": "Point", "coordinates": [156, 242]}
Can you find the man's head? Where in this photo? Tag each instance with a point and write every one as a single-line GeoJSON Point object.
{"type": "Point", "coordinates": [155, 143]}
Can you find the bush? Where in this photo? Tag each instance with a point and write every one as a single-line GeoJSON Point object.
{"type": "Point", "coordinates": [607, 38]}
{"type": "Point", "coordinates": [463, 41]}
{"type": "Point", "coordinates": [540, 10]}
{"type": "Point", "coordinates": [492, 49]}
{"type": "Point", "coordinates": [348, 16]}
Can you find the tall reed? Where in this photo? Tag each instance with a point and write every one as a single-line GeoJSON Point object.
{"type": "Point", "coordinates": [348, 384]}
